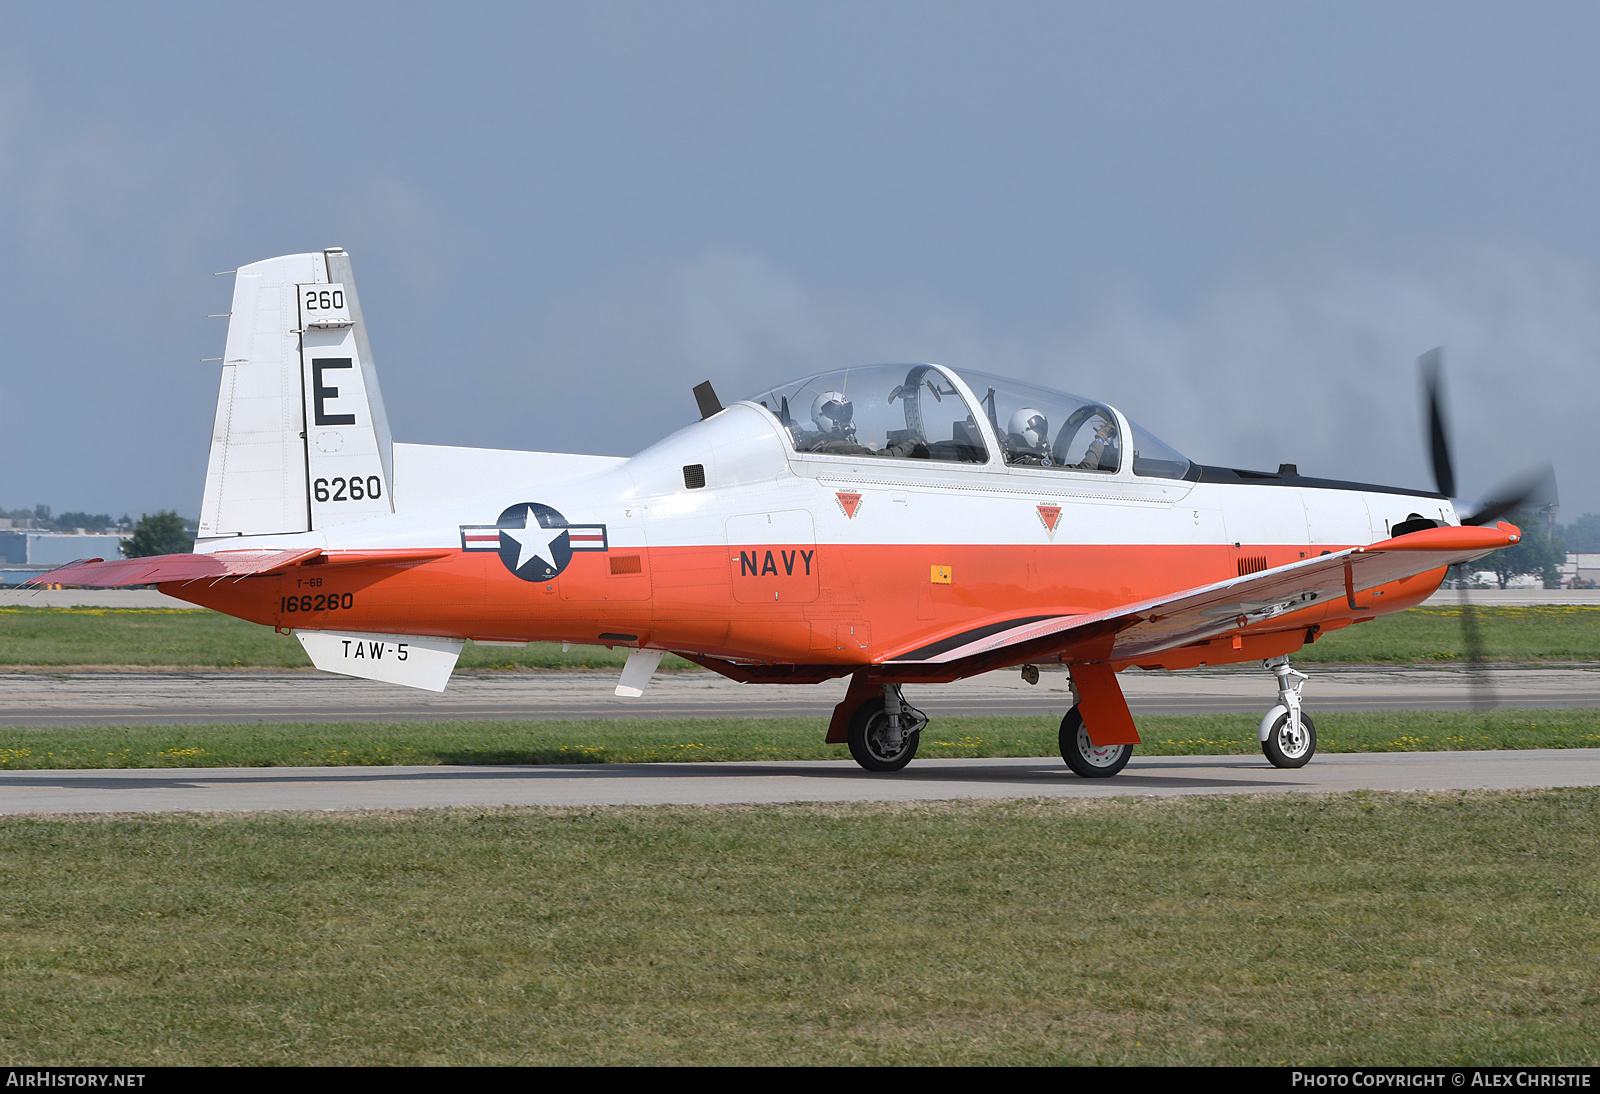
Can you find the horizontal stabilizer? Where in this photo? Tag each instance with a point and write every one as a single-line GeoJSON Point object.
{"type": "Point", "coordinates": [95, 573]}
{"type": "Point", "coordinates": [417, 661]}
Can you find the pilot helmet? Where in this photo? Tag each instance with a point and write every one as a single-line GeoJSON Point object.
{"type": "Point", "coordinates": [1032, 426]}
{"type": "Point", "coordinates": [833, 413]}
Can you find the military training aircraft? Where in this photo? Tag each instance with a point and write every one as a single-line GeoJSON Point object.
{"type": "Point", "coordinates": [897, 524]}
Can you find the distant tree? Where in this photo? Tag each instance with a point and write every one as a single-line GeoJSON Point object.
{"type": "Point", "coordinates": [1535, 553]}
{"type": "Point", "coordinates": [1583, 534]}
{"type": "Point", "coordinates": [158, 534]}
{"type": "Point", "coordinates": [42, 513]}
{"type": "Point", "coordinates": [90, 521]}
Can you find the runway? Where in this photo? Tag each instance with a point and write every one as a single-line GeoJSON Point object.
{"type": "Point", "coordinates": [90, 698]}
{"type": "Point", "coordinates": [345, 788]}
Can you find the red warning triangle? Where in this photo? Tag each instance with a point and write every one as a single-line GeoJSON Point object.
{"type": "Point", "coordinates": [1050, 514]}
{"type": "Point", "coordinates": [849, 503]}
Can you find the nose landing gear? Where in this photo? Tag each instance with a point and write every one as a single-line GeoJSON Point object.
{"type": "Point", "coordinates": [1287, 735]}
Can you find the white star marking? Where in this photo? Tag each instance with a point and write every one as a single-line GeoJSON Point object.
{"type": "Point", "coordinates": [534, 542]}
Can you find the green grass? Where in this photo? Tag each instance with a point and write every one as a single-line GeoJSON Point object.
{"type": "Point", "coordinates": [184, 638]}
{"type": "Point", "coordinates": [180, 638]}
{"type": "Point", "coordinates": [1429, 635]}
{"type": "Point", "coordinates": [1455, 928]}
{"type": "Point", "coordinates": [160, 638]}
{"type": "Point", "coordinates": [321, 744]}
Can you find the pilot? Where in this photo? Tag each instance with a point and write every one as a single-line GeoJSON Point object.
{"type": "Point", "coordinates": [1102, 451]}
{"type": "Point", "coordinates": [1028, 438]}
{"type": "Point", "coordinates": [834, 417]}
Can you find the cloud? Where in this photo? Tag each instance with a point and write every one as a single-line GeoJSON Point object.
{"type": "Point", "coordinates": [1312, 362]}
{"type": "Point", "coordinates": [1302, 359]}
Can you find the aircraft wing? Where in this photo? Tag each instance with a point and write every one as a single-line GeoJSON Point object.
{"type": "Point", "coordinates": [96, 573]}
{"type": "Point", "coordinates": [1131, 631]}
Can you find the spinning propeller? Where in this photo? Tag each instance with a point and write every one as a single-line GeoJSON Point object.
{"type": "Point", "coordinates": [1531, 487]}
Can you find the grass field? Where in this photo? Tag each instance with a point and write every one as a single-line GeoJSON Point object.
{"type": "Point", "coordinates": [647, 741]}
{"type": "Point", "coordinates": [1434, 635]}
{"type": "Point", "coordinates": [180, 638]}
{"type": "Point", "coordinates": [1364, 928]}
{"type": "Point", "coordinates": [58, 637]}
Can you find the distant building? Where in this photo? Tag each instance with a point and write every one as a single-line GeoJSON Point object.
{"type": "Point", "coordinates": [25, 555]}
{"type": "Point", "coordinates": [1580, 571]}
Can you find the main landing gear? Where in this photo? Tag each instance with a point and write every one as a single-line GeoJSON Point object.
{"type": "Point", "coordinates": [1287, 734]}
{"type": "Point", "coordinates": [1087, 759]}
{"type": "Point", "coordinates": [1084, 756]}
{"type": "Point", "coordinates": [884, 732]}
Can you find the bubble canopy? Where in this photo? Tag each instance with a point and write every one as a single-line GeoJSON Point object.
{"type": "Point", "coordinates": [886, 411]}
{"type": "Point", "coordinates": [916, 412]}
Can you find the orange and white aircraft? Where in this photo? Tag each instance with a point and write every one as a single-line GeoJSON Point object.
{"type": "Point", "coordinates": [897, 524]}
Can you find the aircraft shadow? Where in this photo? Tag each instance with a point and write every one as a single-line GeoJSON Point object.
{"type": "Point", "coordinates": [1044, 774]}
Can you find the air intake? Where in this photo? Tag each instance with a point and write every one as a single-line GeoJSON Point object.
{"type": "Point", "coordinates": [694, 475]}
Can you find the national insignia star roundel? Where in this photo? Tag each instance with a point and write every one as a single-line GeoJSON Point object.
{"type": "Point", "coordinates": [534, 543]}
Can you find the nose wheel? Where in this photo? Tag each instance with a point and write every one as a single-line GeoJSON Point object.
{"type": "Point", "coordinates": [1288, 736]}
{"type": "Point", "coordinates": [1287, 746]}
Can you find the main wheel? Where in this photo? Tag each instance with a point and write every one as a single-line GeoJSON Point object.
{"type": "Point", "coordinates": [869, 739]}
{"type": "Point", "coordinates": [1286, 749]}
{"type": "Point", "coordinates": [1083, 756]}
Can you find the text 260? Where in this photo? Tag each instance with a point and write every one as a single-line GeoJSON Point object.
{"type": "Point", "coordinates": [324, 299]}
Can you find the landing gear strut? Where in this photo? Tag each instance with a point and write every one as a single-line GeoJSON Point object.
{"type": "Point", "coordinates": [884, 733]}
{"type": "Point", "coordinates": [1287, 734]}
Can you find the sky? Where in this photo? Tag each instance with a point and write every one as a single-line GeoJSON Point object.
{"type": "Point", "coordinates": [1239, 223]}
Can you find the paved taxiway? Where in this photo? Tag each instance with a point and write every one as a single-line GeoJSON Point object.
{"type": "Point", "coordinates": [340, 788]}
{"type": "Point", "coordinates": [40, 700]}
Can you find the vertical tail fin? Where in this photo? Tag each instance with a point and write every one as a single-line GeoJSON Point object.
{"type": "Point", "coordinates": [301, 439]}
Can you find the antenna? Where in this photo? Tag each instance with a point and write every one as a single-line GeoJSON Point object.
{"type": "Point", "coordinates": [707, 399]}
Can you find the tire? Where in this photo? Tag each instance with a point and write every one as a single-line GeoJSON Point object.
{"type": "Point", "coordinates": [1282, 751]}
{"type": "Point", "coordinates": [1082, 755]}
{"type": "Point", "coordinates": [867, 728]}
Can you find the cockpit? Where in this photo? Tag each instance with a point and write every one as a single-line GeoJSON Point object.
{"type": "Point", "coordinates": [886, 411]}
{"type": "Point", "coordinates": [922, 412]}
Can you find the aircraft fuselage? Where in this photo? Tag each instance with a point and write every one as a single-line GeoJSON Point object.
{"type": "Point", "coordinates": [813, 559]}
